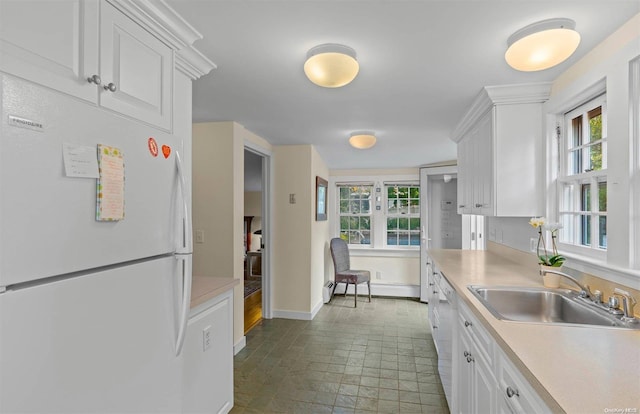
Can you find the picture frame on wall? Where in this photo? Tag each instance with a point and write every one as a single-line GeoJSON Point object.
{"type": "Point", "coordinates": [321, 199]}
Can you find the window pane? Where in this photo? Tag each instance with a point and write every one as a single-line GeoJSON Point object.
{"type": "Point", "coordinates": [392, 238]}
{"type": "Point", "coordinates": [576, 132]}
{"type": "Point", "coordinates": [568, 197]}
{"type": "Point", "coordinates": [403, 239]}
{"type": "Point", "coordinates": [575, 162]}
{"type": "Point", "coordinates": [414, 206]}
{"type": "Point", "coordinates": [365, 223]}
{"type": "Point", "coordinates": [585, 237]}
{"type": "Point", "coordinates": [595, 157]}
{"type": "Point", "coordinates": [344, 206]}
{"type": "Point", "coordinates": [414, 224]}
{"type": "Point", "coordinates": [404, 206]}
{"type": "Point", "coordinates": [344, 193]}
{"type": "Point", "coordinates": [392, 223]}
{"type": "Point", "coordinates": [602, 196]}
{"type": "Point", "coordinates": [585, 201]}
{"type": "Point", "coordinates": [602, 232]}
{"type": "Point", "coordinates": [344, 223]}
{"type": "Point", "coordinates": [568, 229]}
{"type": "Point", "coordinates": [595, 124]}
{"type": "Point", "coordinates": [392, 206]}
{"type": "Point", "coordinates": [414, 239]}
{"type": "Point", "coordinates": [414, 192]}
{"type": "Point", "coordinates": [403, 224]}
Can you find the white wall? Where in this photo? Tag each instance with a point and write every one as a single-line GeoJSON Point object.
{"type": "Point", "coordinates": [218, 205]}
{"type": "Point", "coordinates": [400, 267]}
{"type": "Point", "coordinates": [319, 237]}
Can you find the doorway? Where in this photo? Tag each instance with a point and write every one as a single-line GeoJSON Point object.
{"type": "Point", "coordinates": [256, 237]}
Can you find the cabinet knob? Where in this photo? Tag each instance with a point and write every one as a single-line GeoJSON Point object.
{"type": "Point", "coordinates": [467, 324]}
{"type": "Point", "coordinates": [466, 353]}
{"type": "Point", "coordinates": [94, 79]}
{"type": "Point", "coordinates": [478, 205]}
{"type": "Point", "coordinates": [431, 284]}
{"type": "Point", "coordinates": [470, 359]}
{"type": "Point", "coordinates": [434, 327]}
{"type": "Point", "coordinates": [111, 87]}
{"type": "Point", "coordinates": [511, 392]}
{"type": "Point", "coordinates": [461, 206]}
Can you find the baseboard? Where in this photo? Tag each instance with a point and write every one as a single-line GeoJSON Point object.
{"type": "Point", "coordinates": [285, 314]}
{"type": "Point", "coordinates": [239, 346]}
{"type": "Point", "coordinates": [378, 289]}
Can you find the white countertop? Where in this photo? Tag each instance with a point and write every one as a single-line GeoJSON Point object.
{"type": "Point", "coordinates": [576, 369]}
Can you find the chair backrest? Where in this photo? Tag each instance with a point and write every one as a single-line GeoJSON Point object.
{"type": "Point", "coordinates": [340, 255]}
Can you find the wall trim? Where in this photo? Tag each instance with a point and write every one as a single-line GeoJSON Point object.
{"type": "Point", "coordinates": [287, 314]}
{"type": "Point", "coordinates": [239, 346]}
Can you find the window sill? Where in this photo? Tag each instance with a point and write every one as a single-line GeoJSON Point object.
{"type": "Point", "coordinates": [377, 252]}
{"type": "Point", "coordinates": [601, 269]}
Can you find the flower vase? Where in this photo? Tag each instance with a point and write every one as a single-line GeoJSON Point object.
{"type": "Point", "coordinates": [550, 280]}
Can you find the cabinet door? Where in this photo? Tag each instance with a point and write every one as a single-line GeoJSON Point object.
{"type": "Point", "coordinates": [208, 360]}
{"type": "Point", "coordinates": [464, 376]}
{"type": "Point", "coordinates": [138, 65]}
{"type": "Point", "coordinates": [483, 190]}
{"type": "Point", "coordinates": [52, 43]}
{"type": "Point", "coordinates": [484, 386]}
{"type": "Point", "coordinates": [465, 176]}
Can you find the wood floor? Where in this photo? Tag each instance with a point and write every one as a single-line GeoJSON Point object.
{"type": "Point", "coordinates": [252, 310]}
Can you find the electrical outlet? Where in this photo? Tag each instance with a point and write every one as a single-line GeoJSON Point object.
{"type": "Point", "coordinates": [206, 338]}
{"type": "Point", "coordinates": [533, 244]}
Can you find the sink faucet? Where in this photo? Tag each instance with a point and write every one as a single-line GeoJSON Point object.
{"type": "Point", "coordinates": [584, 290]}
{"type": "Point", "coordinates": [628, 302]}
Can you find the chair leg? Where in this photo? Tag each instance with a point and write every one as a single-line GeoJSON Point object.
{"type": "Point", "coordinates": [346, 288]}
{"type": "Point", "coordinates": [369, 287]}
{"type": "Point", "coordinates": [355, 297]}
{"type": "Point", "coordinates": [335, 284]}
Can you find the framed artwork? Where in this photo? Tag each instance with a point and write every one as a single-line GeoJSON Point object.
{"type": "Point", "coordinates": [321, 199]}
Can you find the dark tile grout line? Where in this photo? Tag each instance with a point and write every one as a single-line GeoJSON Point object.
{"type": "Point", "coordinates": [378, 357]}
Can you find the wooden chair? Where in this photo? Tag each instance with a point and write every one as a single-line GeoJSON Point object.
{"type": "Point", "coordinates": [343, 271]}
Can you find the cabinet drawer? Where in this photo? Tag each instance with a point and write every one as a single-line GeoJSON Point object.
{"type": "Point", "coordinates": [468, 323]}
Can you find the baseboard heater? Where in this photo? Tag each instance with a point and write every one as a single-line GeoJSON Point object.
{"type": "Point", "coordinates": [326, 291]}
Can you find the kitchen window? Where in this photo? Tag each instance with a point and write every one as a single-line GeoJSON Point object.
{"type": "Point", "coordinates": [378, 214]}
{"type": "Point", "coordinates": [354, 211]}
{"type": "Point", "coordinates": [403, 215]}
{"type": "Point", "coordinates": [582, 180]}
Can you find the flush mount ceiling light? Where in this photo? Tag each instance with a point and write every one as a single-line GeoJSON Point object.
{"type": "Point", "coordinates": [362, 140]}
{"type": "Point", "coordinates": [542, 45]}
{"type": "Point", "coordinates": [331, 65]}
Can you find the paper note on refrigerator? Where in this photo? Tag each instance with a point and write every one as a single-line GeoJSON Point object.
{"type": "Point", "coordinates": [80, 161]}
{"type": "Point", "coordinates": [110, 184]}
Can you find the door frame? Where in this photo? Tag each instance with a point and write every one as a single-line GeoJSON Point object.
{"type": "Point", "coordinates": [267, 237]}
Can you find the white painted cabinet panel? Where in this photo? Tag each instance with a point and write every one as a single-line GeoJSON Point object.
{"type": "Point", "coordinates": [138, 65]}
{"type": "Point", "coordinates": [208, 358]}
{"type": "Point", "coordinates": [53, 43]}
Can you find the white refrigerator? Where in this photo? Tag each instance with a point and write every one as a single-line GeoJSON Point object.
{"type": "Point", "coordinates": [92, 313]}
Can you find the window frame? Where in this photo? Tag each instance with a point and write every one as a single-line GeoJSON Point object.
{"type": "Point", "coordinates": [398, 215]}
{"type": "Point", "coordinates": [378, 246]}
{"type": "Point", "coordinates": [590, 177]}
{"type": "Point", "coordinates": [340, 215]}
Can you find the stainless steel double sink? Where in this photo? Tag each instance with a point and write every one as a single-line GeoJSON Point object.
{"type": "Point", "coordinates": [543, 305]}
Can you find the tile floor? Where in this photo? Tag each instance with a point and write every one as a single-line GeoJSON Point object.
{"type": "Point", "coordinates": [378, 357]}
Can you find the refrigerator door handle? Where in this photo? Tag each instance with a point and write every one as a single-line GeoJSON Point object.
{"type": "Point", "coordinates": [186, 301]}
{"type": "Point", "coordinates": [184, 245]}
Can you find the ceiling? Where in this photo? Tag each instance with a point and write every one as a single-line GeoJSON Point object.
{"type": "Point", "coordinates": [421, 65]}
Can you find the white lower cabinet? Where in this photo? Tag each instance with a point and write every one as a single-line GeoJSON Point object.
{"type": "Point", "coordinates": [473, 373]}
{"type": "Point", "coordinates": [485, 381]}
{"type": "Point", "coordinates": [207, 377]}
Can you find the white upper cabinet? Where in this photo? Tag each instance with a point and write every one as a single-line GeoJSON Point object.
{"type": "Point", "coordinates": [135, 69]}
{"type": "Point", "coordinates": [118, 54]}
{"type": "Point", "coordinates": [500, 152]}
{"type": "Point", "coordinates": [53, 43]}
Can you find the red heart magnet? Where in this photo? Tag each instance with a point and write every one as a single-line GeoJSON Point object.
{"type": "Point", "coordinates": [166, 151]}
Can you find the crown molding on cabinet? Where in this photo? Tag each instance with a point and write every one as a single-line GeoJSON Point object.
{"type": "Point", "coordinates": [500, 95]}
{"type": "Point", "coordinates": [162, 21]}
